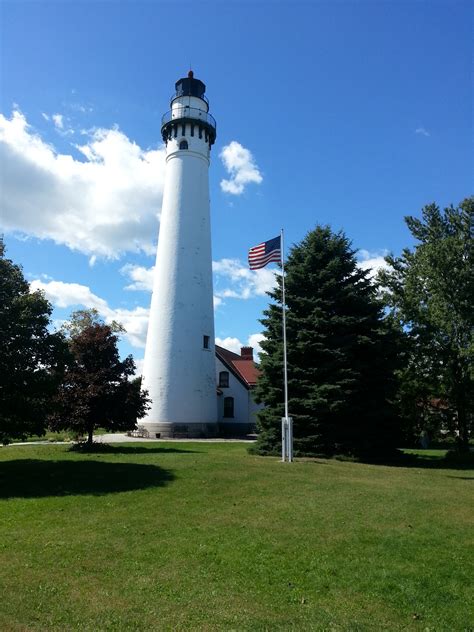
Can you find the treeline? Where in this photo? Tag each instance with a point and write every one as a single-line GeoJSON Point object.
{"type": "Point", "coordinates": [374, 364]}
{"type": "Point", "coordinates": [72, 379]}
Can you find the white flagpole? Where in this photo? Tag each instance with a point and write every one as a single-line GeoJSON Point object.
{"type": "Point", "coordinates": [287, 437]}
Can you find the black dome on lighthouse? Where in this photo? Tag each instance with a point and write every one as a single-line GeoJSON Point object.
{"type": "Point", "coordinates": [185, 112]}
{"type": "Point", "coordinates": [190, 87]}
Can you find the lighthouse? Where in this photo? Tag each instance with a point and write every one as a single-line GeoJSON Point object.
{"type": "Point", "coordinates": [179, 369]}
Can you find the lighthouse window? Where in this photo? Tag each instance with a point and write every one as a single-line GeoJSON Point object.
{"type": "Point", "coordinates": [183, 144]}
{"type": "Point", "coordinates": [228, 406]}
{"type": "Point", "coordinates": [224, 379]}
{"type": "Point", "coordinates": [205, 342]}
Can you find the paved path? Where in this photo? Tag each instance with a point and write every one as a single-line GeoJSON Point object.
{"type": "Point", "coordinates": [123, 438]}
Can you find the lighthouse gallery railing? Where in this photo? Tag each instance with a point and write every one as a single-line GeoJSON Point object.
{"type": "Point", "coordinates": [186, 112]}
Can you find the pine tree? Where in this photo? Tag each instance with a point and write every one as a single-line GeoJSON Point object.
{"type": "Point", "coordinates": [341, 355]}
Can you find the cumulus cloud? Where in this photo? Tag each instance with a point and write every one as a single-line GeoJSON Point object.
{"type": "Point", "coordinates": [422, 131]}
{"type": "Point", "coordinates": [232, 344]}
{"type": "Point", "coordinates": [241, 166]}
{"type": "Point", "coordinates": [135, 321]}
{"type": "Point", "coordinates": [372, 261]}
{"type": "Point", "coordinates": [67, 294]}
{"type": "Point", "coordinates": [239, 281]}
{"type": "Point", "coordinates": [231, 280]}
{"type": "Point", "coordinates": [103, 205]}
{"type": "Point", "coordinates": [254, 341]}
{"type": "Point", "coordinates": [235, 345]}
{"type": "Point", "coordinates": [141, 277]}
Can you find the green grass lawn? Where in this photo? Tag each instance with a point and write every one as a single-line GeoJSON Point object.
{"type": "Point", "coordinates": [183, 536]}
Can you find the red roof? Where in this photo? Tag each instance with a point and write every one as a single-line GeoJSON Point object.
{"type": "Point", "coordinates": [242, 366]}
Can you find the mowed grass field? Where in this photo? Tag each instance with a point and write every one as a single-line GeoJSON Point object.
{"type": "Point", "coordinates": [204, 536]}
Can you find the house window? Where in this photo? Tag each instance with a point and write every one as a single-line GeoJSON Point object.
{"type": "Point", "coordinates": [224, 379]}
{"type": "Point", "coordinates": [228, 406]}
{"type": "Point", "coordinates": [183, 144]}
{"type": "Point", "coordinates": [205, 342]}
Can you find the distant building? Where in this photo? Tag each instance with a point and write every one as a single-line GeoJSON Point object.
{"type": "Point", "coordinates": [236, 376]}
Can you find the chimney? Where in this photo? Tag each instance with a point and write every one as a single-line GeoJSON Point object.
{"type": "Point", "coordinates": [246, 353]}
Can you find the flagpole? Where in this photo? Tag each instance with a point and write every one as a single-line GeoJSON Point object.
{"type": "Point", "coordinates": [284, 322]}
{"type": "Point", "coordinates": [287, 438]}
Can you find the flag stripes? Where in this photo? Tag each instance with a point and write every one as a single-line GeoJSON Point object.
{"type": "Point", "coordinates": [265, 253]}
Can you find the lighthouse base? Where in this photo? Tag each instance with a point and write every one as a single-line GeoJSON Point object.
{"type": "Point", "coordinates": [171, 430]}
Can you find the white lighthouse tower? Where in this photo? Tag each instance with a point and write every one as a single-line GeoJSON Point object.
{"type": "Point", "coordinates": [179, 366]}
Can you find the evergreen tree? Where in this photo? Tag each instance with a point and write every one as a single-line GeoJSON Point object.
{"type": "Point", "coordinates": [31, 357]}
{"type": "Point", "coordinates": [430, 291]}
{"type": "Point", "coordinates": [97, 390]}
{"type": "Point", "coordinates": [341, 355]}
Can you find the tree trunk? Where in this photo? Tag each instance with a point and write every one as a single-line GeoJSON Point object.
{"type": "Point", "coordinates": [90, 438]}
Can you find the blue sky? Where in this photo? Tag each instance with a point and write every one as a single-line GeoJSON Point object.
{"type": "Point", "coordinates": [348, 113]}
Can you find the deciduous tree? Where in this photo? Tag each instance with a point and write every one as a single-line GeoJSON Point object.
{"type": "Point", "coordinates": [97, 390]}
{"type": "Point", "coordinates": [430, 291]}
{"type": "Point", "coordinates": [31, 357]}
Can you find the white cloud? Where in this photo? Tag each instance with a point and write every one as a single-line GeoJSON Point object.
{"type": "Point", "coordinates": [254, 341]}
{"type": "Point", "coordinates": [232, 344]}
{"type": "Point", "coordinates": [422, 131]}
{"type": "Point", "coordinates": [104, 205]}
{"type": "Point", "coordinates": [244, 283]}
{"type": "Point", "coordinates": [139, 365]}
{"type": "Point", "coordinates": [68, 294]}
{"type": "Point", "coordinates": [241, 166]}
{"type": "Point", "coordinates": [135, 321]}
{"type": "Point", "coordinates": [45, 116]}
{"type": "Point", "coordinates": [235, 345]}
{"type": "Point", "coordinates": [233, 279]}
{"type": "Point", "coordinates": [373, 261]}
{"type": "Point", "coordinates": [58, 120]}
{"type": "Point", "coordinates": [141, 277]}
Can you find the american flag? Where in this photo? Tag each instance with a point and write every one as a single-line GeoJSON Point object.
{"type": "Point", "coordinates": [261, 255]}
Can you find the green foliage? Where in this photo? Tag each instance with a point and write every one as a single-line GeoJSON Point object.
{"type": "Point", "coordinates": [341, 355]}
{"type": "Point", "coordinates": [429, 290]}
{"type": "Point", "coordinates": [84, 318]}
{"type": "Point", "coordinates": [97, 390]}
{"type": "Point", "coordinates": [31, 357]}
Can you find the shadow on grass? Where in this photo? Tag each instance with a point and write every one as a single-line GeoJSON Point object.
{"type": "Point", "coordinates": [107, 448]}
{"type": "Point", "coordinates": [463, 478]}
{"type": "Point", "coordinates": [451, 461]}
{"type": "Point", "coordinates": [32, 478]}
